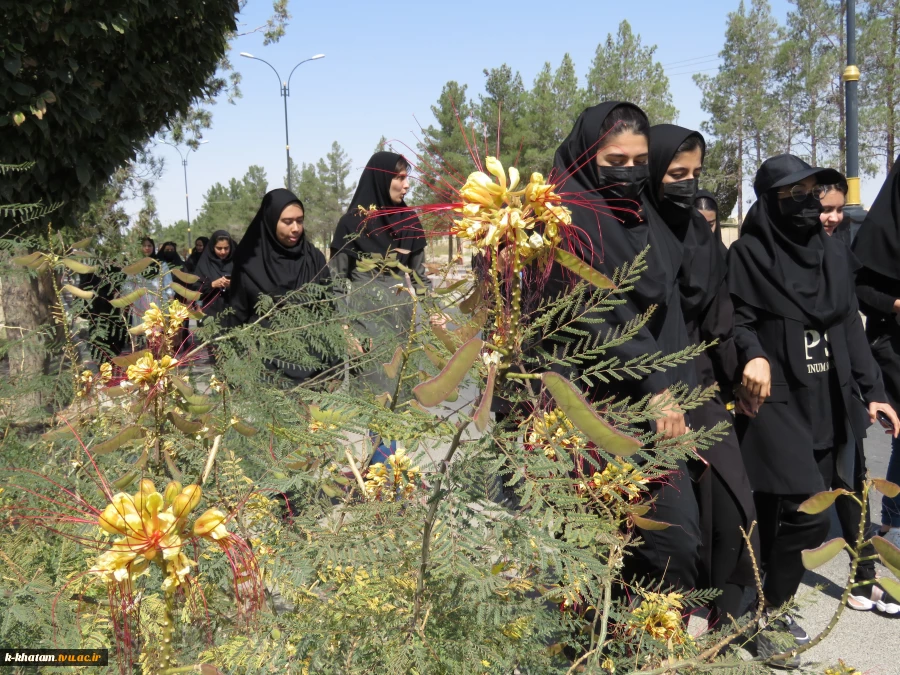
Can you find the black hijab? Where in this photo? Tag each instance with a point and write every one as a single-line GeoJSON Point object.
{"type": "Point", "coordinates": [717, 234]}
{"type": "Point", "coordinates": [171, 258]}
{"type": "Point", "coordinates": [877, 244]}
{"type": "Point", "coordinates": [194, 257]}
{"type": "Point", "coordinates": [703, 265]}
{"type": "Point", "coordinates": [606, 237]}
{"type": "Point", "coordinates": [397, 228]}
{"type": "Point", "coordinates": [805, 277]}
{"type": "Point", "coordinates": [210, 267]}
{"type": "Point", "coordinates": [261, 265]}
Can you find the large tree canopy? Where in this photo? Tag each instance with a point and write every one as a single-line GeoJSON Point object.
{"type": "Point", "coordinates": [85, 84]}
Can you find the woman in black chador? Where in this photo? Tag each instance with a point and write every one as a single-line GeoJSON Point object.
{"type": "Point", "coordinates": [802, 347]}
{"type": "Point", "coordinates": [877, 247]}
{"type": "Point", "coordinates": [604, 160]}
{"type": "Point", "coordinates": [214, 268]}
{"type": "Point", "coordinates": [383, 185]}
{"type": "Point", "coordinates": [274, 259]}
{"type": "Point", "coordinates": [723, 491]}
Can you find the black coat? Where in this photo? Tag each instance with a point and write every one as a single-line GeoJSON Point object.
{"type": "Point", "coordinates": [777, 444]}
{"type": "Point", "coordinates": [876, 295]}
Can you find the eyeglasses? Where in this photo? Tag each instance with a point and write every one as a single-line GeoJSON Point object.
{"type": "Point", "coordinates": [799, 193]}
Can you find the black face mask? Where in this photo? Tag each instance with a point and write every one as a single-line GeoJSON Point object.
{"type": "Point", "coordinates": [804, 216]}
{"type": "Point", "coordinates": [623, 182]}
{"type": "Point", "coordinates": [681, 194]}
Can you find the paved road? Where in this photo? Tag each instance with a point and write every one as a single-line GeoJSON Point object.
{"type": "Point", "coordinates": [870, 641]}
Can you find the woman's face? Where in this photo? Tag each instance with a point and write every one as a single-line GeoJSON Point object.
{"type": "Point", "coordinates": [710, 217]}
{"type": "Point", "coordinates": [685, 166]}
{"type": "Point", "coordinates": [832, 210]}
{"type": "Point", "coordinates": [147, 248]}
{"type": "Point", "coordinates": [290, 226]}
{"type": "Point", "coordinates": [399, 186]}
{"type": "Point", "coordinates": [198, 246]}
{"type": "Point", "coordinates": [624, 149]}
{"type": "Point", "coordinates": [790, 192]}
{"type": "Point", "coordinates": [222, 248]}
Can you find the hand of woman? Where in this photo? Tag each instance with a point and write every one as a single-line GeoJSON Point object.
{"type": "Point", "coordinates": [897, 306]}
{"type": "Point", "coordinates": [757, 380]}
{"type": "Point", "coordinates": [671, 423]}
{"type": "Point", "coordinates": [221, 282]}
{"type": "Point", "coordinates": [875, 408]}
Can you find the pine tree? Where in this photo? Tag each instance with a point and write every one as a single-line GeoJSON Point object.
{"type": "Point", "coordinates": [625, 70]}
{"type": "Point", "coordinates": [879, 50]}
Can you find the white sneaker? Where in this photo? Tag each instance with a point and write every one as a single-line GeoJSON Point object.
{"type": "Point", "coordinates": [884, 601]}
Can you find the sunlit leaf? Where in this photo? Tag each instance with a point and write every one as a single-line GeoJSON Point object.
{"type": "Point", "coordinates": [471, 303]}
{"type": "Point", "coordinates": [185, 277]}
{"type": "Point", "coordinates": [32, 260]}
{"type": "Point", "coordinates": [816, 557]}
{"type": "Point", "coordinates": [647, 524]}
{"type": "Point", "coordinates": [890, 585]}
{"type": "Point", "coordinates": [886, 487]}
{"type": "Point", "coordinates": [452, 287]}
{"type": "Point", "coordinates": [244, 429]}
{"type": "Point", "coordinates": [483, 413]}
{"type": "Point", "coordinates": [79, 292]}
{"type": "Point", "coordinates": [82, 243]}
{"type": "Point", "coordinates": [437, 389]}
{"type": "Point", "coordinates": [435, 357]}
{"type": "Point", "coordinates": [126, 435]}
{"type": "Point", "coordinates": [582, 269]}
{"type": "Point", "coordinates": [138, 267]}
{"type": "Point", "coordinates": [78, 267]}
{"type": "Point", "coordinates": [889, 554]}
{"type": "Point", "coordinates": [185, 426]}
{"type": "Point", "coordinates": [130, 359]}
{"type": "Point", "coordinates": [59, 434]}
{"type": "Point", "coordinates": [128, 299]}
{"type": "Point", "coordinates": [472, 328]}
{"type": "Point", "coordinates": [586, 419]}
{"type": "Point", "coordinates": [393, 368]}
{"type": "Point", "coordinates": [820, 502]}
{"type": "Point", "coordinates": [184, 292]}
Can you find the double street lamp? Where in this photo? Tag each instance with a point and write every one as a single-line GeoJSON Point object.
{"type": "Point", "coordinates": [187, 207]}
{"type": "Point", "coordinates": [285, 86]}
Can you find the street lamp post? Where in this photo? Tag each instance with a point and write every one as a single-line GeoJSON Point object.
{"type": "Point", "coordinates": [853, 210]}
{"type": "Point", "coordinates": [285, 86]}
{"type": "Point", "coordinates": [187, 206]}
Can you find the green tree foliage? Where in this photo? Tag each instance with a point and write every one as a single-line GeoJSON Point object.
{"type": "Point", "coordinates": [325, 192]}
{"type": "Point", "coordinates": [879, 50]}
{"type": "Point", "coordinates": [739, 97]}
{"type": "Point", "coordinates": [231, 207]}
{"type": "Point", "coordinates": [87, 84]}
{"type": "Point", "coordinates": [625, 70]}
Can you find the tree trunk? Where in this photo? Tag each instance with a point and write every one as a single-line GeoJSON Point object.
{"type": "Point", "coordinates": [26, 309]}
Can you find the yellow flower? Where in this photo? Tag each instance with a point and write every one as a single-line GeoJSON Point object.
{"type": "Point", "coordinates": [149, 372]}
{"type": "Point", "coordinates": [153, 321]}
{"type": "Point", "coordinates": [480, 189]}
{"type": "Point", "coordinates": [211, 525]}
{"type": "Point", "coordinates": [608, 665]}
{"type": "Point", "coordinates": [105, 372]}
{"type": "Point", "coordinates": [146, 530]}
{"type": "Point", "coordinates": [178, 314]}
{"type": "Point", "coordinates": [842, 669]}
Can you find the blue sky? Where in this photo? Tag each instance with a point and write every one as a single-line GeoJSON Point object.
{"type": "Point", "coordinates": [385, 65]}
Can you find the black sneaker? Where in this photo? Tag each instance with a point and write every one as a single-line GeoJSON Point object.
{"type": "Point", "coordinates": [768, 646]}
{"type": "Point", "coordinates": [786, 622]}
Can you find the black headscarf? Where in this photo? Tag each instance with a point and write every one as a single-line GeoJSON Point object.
{"type": "Point", "coordinates": [194, 257]}
{"type": "Point", "coordinates": [263, 266]}
{"type": "Point", "coordinates": [210, 267]}
{"type": "Point", "coordinates": [703, 265]}
{"type": "Point", "coordinates": [717, 234]}
{"type": "Point", "coordinates": [605, 240]}
{"type": "Point", "coordinates": [877, 244]}
{"type": "Point", "coordinates": [807, 278]}
{"type": "Point", "coordinates": [171, 258]}
{"type": "Point", "coordinates": [392, 230]}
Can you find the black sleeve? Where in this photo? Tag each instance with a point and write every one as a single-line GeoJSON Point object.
{"type": "Point", "coordinates": [239, 300]}
{"type": "Point", "coordinates": [863, 368]}
{"type": "Point", "coordinates": [746, 340]}
{"type": "Point", "coordinates": [718, 324]}
{"type": "Point", "coordinates": [872, 298]}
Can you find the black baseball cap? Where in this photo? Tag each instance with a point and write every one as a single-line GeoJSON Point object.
{"type": "Point", "coordinates": [783, 170]}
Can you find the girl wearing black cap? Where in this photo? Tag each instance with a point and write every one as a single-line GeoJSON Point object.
{"type": "Point", "coordinates": [383, 185]}
{"type": "Point", "coordinates": [604, 161]}
{"type": "Point", "coordinates": [725, 498]}
{"type": "Point", "coordinates": [801, 342]}
{"type": "Point", "coordinates": [274, 259]}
